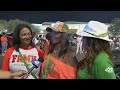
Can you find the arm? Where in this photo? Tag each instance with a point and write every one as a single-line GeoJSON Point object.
{"type": "Point", "coordinates": [5, 65]}
{"type": "Point", "coordinates": [9, 75]}
{"type": "Point", "coordinates": [1, 39]}
{"type": "Point", "coordinates": [5, 74]}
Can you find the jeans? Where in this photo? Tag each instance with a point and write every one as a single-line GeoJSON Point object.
{"type": "Point", "coordinates": [4, 48]}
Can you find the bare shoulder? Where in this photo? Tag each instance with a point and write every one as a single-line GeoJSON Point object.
{"type": "Point", "coordinates": [71, 58]}
{"type": "Point", "coordinates": [71, 52]}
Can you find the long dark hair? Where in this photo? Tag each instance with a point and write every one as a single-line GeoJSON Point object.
{"type": "Point", "coordinates": [48, 36]}
{"type": "Point", "coordinates": [16, 39]}
{"type": "Point", "coordinates": [94, 47]}
{"type": "Point", "coordinates": [64, 45]}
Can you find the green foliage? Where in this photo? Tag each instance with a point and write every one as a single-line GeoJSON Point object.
{"type": "Point", "coordinates": [3, 25]}
{"type": "Point", "coordinates": [115, 27]}
{"type": "Point", "coordinates": [11, 24]}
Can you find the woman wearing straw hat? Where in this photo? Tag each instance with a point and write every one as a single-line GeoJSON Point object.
{"type": "Point", "coordinates": [60, 62]}
{"type": "Point", "coordinates": [98, 61]}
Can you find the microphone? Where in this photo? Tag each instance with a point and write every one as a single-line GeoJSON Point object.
{"type": "Point", "coordinates": [36, 63]}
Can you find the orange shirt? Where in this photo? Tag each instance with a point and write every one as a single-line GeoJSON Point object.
{"type": "Point", "coordinates": [4, 40]}
{"type": "Point", "coordinates": [57, 69]}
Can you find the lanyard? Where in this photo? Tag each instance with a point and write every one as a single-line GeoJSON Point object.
{"type": "Point", "coordinates": [46, 68]}
{"type": "Point", "coordinates": [26, 64]}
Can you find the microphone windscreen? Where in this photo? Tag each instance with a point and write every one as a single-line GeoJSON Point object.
{"type": "Point", "coordinates": [36, 63]}
{"type": "Point", "coordinates": [41, 59]}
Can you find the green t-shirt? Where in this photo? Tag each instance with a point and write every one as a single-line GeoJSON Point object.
{"type": "Point", "coordinates": [102, 69]}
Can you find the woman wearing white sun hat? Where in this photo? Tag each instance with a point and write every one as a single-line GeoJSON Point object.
{"type": "Point", "coordinates": [98, 61]}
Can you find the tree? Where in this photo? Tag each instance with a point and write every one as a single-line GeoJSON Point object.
{"type": "Point", "coordinates": [3, 25]}
{"type": "Point", "coordinates": [11, 24]}
{"type": "Point", "coordinates": [115, 27]}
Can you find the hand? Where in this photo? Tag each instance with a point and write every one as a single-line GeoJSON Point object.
{"type": "Point", "coordinates": [25, 76]}
{"type": "Point", "coordinates": [18, 75]}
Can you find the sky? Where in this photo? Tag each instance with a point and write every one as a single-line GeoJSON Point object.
{"type": "Point", "coordinates": [52, 16]}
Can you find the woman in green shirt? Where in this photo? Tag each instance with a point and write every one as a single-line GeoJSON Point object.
{"type": "Point", "coordinates": [98, 61]}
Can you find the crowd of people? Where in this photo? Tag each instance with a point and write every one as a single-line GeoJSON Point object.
{"type": "Point", "coordinates": [5, 42]}
{"type": "Point", "coordinates": [116, 42]}
{"type": "Point", "coordinates": [60, 60]}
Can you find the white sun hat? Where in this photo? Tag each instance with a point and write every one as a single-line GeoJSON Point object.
{"type": "Point", "coordinates": [95, 29]}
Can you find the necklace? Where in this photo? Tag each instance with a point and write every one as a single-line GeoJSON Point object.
{"type": "Point", "coordinates": [56, 51]}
